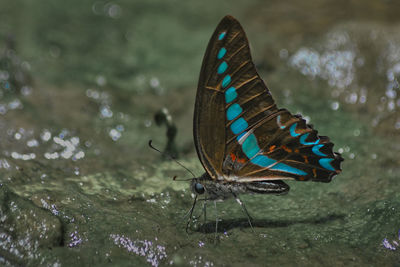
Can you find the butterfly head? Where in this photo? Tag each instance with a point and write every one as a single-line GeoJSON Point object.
{"type": "Point", "coordinates": [197, 187]}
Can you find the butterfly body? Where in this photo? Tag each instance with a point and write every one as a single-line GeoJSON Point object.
{"type": "Point", "coordinates": [222, 189]}
{"type": "Point", "coordinates": [244, 142]}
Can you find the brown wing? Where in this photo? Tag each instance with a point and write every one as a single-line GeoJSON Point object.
{"type": "Point", "coordinates": [228, 45]}
{"type": "Point", "coordinates": [239, 133]}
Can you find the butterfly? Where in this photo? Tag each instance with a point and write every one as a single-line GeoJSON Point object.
{"type": "Point", "coordinates": [244, 142]}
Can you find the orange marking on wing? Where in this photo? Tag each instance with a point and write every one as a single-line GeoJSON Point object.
{"type": "Point", "coordinates": [305, 159]}
{"type": "Point", "coordinates": [241, 160]}
{"type": "Point", "coordinates": [236, 159]}
{"type": "Point", "coordinates": [296, 150]}
{"type": "Point", "coordinates": [302, 178]}
{"type": "Point", "coordinates": [286, 149]}
{"type": "Point", "coordinates": [314, 171]}
{"type": "Point", "coordinates": [272, 148]}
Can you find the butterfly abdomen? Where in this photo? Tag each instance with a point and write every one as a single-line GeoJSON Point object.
{"type": "Point", "coordinates": [221, 190]}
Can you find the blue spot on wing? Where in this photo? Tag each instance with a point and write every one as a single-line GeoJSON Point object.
{"type": "Point", "coordinates": [303, 140]}
{"type": "Point", "coordinates": [230, 94]}
{"type": "Point", "coordinates": [233, 111]}
{"type": "Point", "coordinates": [292, 130]}
{"type": "Point", "coordinates": [325, 162]}
{"type": "Point", "coordinates": [222, 67]}
{"type": "Point", "coordinates": [278, 120]}
{"type": "Point", "coordinates": [239, 125]}
{"type": "Point", "coordinates": [316, 151]}
{"type": "Point", "coordinates": [221, 36]}
{"type": "Point", "coordinates": [226, 81]}
{"type": "Point", "coordinates": [221, 53]}
{"type": "Point", "coordinates": [250, 146]}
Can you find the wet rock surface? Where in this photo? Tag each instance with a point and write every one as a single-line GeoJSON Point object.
{"type": "Point", "coordinates": [26, 230]}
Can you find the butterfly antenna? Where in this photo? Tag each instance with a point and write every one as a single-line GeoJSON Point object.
{"type": "Point", "coordinates": [175, 179]}
{"type": "Point", "coordinates": [170, 157]}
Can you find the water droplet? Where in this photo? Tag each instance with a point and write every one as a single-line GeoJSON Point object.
{"type": "Point", "coordinates": [147, 123]}
{"type": "Point", "coordinates": [16, 103]}
{"type": "Point", "coordinates": [114, 134]}
{"type": "Point", "coordinates": [32, 143]}
{"type": "Point", "coordinates": [114, 11]}
{"type": "Point", "coordinates": [79, 155]}
{"type": "Point", "coordinates": [105, 111]}
{"type": "Point", "coordinates": [335, 105]}
{"type": "Point", "coordinates": [397, 124]}
{"type": "Point", "coordinates": [17, 136]}
{"type": "Point", "coordinates": [3, 109]}
{"type": "Point", "coordinates": [391, 105]}
{"type": "Point", "coordinates": [120, 128]}
{"type": "Point", "coordinates": [26, 90]}
{"type": "Point", "coordinates": [154, 82]}
{"type": "Point", "coordinates": [101, 80]}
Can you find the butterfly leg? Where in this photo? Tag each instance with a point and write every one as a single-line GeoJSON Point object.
{"type": "Point", "coordinates": [190, 214]}
{"type": "Point", "coordinates": [205, 213]}
{"type": "Point", "coordinates": [216, 221]}
{"type": "Point", "coordinates": [249, 219]}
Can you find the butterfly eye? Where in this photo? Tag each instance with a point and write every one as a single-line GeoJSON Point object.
{"type": "Point", "coordinates": [199, 188]}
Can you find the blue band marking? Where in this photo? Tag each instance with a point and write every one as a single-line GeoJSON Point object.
{"type": "Point", "coordinates": [286, 168]}
{"type": "Point", "coordinates": [221, 53]}
{"type": "Point", "coordinates": [240, 136]}
{"type": "Point", "coordinates": [292, 130]}
{"type": "Point", "coordinates": [324, 162]}
{"type": "Point", "coordinates": [262, 161]}
{"type": "Point", "coordinates": [278, 120]}
{"type": "Point", "coordinates": [250, 147]}
{"type": "Point", "coordinates": [230, 95]}
{"type": "Point", "coordinates": [233, 111]}
{"type": "Point", "coordinates": [221, 36]}
{"type": "Point", "coordinates": [316, 151]}
{"type": "Point", "coordinates": [303, 140]}
{"type": "Point", "coordinates": [239, 125]}
{"type": "Point", "coordinates": [226, 81]}
{"type": "Point", "coordinates": [222, 67]}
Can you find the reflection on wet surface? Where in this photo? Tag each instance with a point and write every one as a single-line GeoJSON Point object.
{"type": "Point", "coordinates": [339, 61]}
{"type": "Point", "coordinates": [153, 253]}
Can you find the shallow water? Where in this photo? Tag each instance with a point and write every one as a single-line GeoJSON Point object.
{"type": "Point", "coordinates": [81, 83]}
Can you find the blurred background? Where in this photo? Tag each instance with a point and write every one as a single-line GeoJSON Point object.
{"type": "Point", "coordinates": [84, 85]}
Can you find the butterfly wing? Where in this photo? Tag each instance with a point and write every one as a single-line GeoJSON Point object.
{"type": "Point", "coordinates": [240, 134]}
{"type": "Point", "coordinates": [227, 61]}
